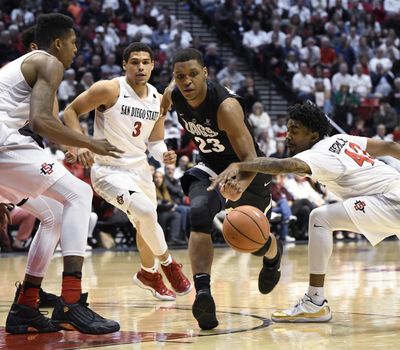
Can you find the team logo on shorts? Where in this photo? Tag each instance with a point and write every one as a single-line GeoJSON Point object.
{"type": "Point", "coordinates": [360, 206]}
{"type": "Point", "coordinates": [120, 199]}
{"type": "Point", "coordinates": [46, 169]}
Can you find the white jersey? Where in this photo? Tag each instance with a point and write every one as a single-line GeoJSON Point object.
{"type": "Point", "coordinates": [128, 124]}
{"type": "Point", "coordinates": [342, 164]}
{"type": "Point", "coordinates": [15, 95]}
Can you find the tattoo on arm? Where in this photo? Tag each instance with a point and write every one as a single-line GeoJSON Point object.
{"type": "Point", "coordinates": [275, 166]}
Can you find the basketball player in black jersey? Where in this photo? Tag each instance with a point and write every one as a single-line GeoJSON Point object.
{"type": "Point", "coordinates": [214, 118]}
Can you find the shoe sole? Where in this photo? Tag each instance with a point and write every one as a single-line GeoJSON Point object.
{"type": "Point", "coordinates": [157, 295]}
{"type": "Point", "coordinates": [70, 326]}
{"type": "Point", "coordinates": [203, 310]}
{"type": "Point", "coordinates": [323, 319]}
{"type": "Point", "coordinates": [24, 329]}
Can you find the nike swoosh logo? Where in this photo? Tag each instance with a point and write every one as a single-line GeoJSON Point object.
{"type": "Point", "coordinates": [126, 96]}
{"type": "Point", "coordinates": [318, 226]}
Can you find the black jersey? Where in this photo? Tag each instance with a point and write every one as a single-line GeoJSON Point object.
{"type": "Point", "coordinates": [214, 147]}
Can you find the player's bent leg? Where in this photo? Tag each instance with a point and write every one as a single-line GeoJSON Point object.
{"type": "Point", "coordinates": [313, 307]}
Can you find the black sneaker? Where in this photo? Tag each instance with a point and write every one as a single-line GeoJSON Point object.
{"type": "Point", "coordinates": [79, 317]}
{"type": "Point", "coordinates": [23, 319]}
{"type": "Point", "coordinates": [270, 273]}
{"type": "Point", "coordinates": [47, 299]}
{"type": "Point", "coordinates": [203, 310]}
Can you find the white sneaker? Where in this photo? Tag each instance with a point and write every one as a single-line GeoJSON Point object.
{"type": "Point", "coordinates": [290, 239]}
{"type": "Point", "coordinates": [304, 311]}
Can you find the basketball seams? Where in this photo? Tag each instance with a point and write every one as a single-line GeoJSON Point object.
{"type": "Point", "coordinates": [242, 234]}
{"type": "Point", "coordinates": [262, 233]}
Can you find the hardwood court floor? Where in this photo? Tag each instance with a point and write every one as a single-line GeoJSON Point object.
{"type": "Point", "coordinates": [362, 288]}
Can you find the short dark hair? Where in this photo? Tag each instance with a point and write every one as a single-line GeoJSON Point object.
{"type": "Point", "coordinates": [137, 47]}
{"type": "Point", "coordinates": [311, 117]}
{"type": "Point", "coordinates": [28, 37]}
{"type": "Point", "coordinates": [50, 27]}
{"type": "Point", "coordinates": [187, 55]}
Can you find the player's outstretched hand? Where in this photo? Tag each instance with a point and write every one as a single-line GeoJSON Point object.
{"type": "Point", "coordinates": [166, 100]}
{"type": "Point", "coordinates": [71, 156]}
{"type": "Point", "coordinates": [169, 157]}
{"type": "Point", "coordinates": [228, 174]}
{"type": "Point", "coordinates": [5, 217]}
{"type": "Point", "coordinates": [231, 190]}
{"type": "Point", "coordinates": [104, 148]}
{"type": "Point", "coordinates": [85, 157]}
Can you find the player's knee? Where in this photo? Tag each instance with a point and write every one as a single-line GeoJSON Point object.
{"type": "Point", "coordinates": [318, 217]}
{"type": "Point", "coordinates": [200, 219]}
{"type": "Point", "coordinates": [142, 213]}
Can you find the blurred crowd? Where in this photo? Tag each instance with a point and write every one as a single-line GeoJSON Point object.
{"type": "Point", "coordinates": [343, 55]}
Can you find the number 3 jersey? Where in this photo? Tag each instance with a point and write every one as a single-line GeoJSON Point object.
{"type": "Point", "coordinates": [201, 123]}
{"type": "Point", "coordinates": [342, 164]}
{"type": "Point", "coordinates": [128, 124]}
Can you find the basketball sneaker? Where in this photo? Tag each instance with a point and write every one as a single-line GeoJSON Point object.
{"type": "Point", "coordinates": [79, 317]}
{"type": "Point", "coordinates": [178, 280]}
{"type": "Point", "coordinates": [154, 283]}
{"type": "Point", "coordinates": [203, 310]}
{"type": "Point", "coordinates": [270, 273]}
{"type": "Point", "coordinates": [47, 299]}
{"type": "Point", "coordinates": [304, 311]}
{"type": "Point", "coordinates": [24, 319]}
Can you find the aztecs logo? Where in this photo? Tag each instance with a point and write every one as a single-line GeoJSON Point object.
{"type": "Point", "coordinates": [360, 206]}
{"type": "Point", "coordinates": [46, 169]}
{"type": "Point", "coordinates": [120, 199]}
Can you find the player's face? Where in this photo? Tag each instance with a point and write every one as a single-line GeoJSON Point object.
{"type": "Point", "coordinates": [138, 67]}
{"type": "Point", "coordinates": [67, 48]}
{"type": "Point", "coordinates": [299, 138]}
{"type": "Point", "coordinates": [190, 78]}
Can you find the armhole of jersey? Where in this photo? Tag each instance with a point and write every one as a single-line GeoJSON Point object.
{"type": "Point", "coordinates": [119, 95]}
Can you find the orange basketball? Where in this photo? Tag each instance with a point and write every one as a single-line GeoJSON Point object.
{"type": "Point", "coordinates": [246, 229]}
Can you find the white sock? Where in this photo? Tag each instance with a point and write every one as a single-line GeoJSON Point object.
{"type": "Point", "coordinates": [150, 269]}
{"type": "Point", "coordinates": [167, 262]}
{"type": "Point", "coordinates": [316, 294]}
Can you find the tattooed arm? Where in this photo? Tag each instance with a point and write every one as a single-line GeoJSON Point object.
{"type": "Point", "coordinates": [265, 165]}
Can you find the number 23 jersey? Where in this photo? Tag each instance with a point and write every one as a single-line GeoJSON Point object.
{"type": "Point", "coordinates": [128, 124]}
{"type": "Point", "coordinates": [341, 163]}
{"type": "Point", "coordinates": [201, 123]}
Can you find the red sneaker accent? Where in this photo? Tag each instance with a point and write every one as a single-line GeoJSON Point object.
{"type": "Point", "coordinates": [154, 283]}
{"type": "Point", "coordinates": [178, 280]}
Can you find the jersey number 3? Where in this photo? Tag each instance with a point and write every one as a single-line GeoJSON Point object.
{"type": "Point", "coordinates": [358, 155]}
{"type": "Point", "coordinates": [209, 145]}
{"type": "Point", "coordinates": [136, 131]}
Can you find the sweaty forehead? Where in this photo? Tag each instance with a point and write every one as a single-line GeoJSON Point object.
{"type": "Point", "coordinates": [186, 66]}
{"type": "Point", "coordinates": [139, 55]}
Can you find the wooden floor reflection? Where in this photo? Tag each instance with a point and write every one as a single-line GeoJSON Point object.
{"type": "Point", "coordinates": [362, 289]}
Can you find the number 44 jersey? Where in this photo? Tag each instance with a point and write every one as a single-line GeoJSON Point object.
{"type": "Point", "coordinates": [342, 164]}
{"type": "Point", "coordinates": [201, 123]}
{"type": "Point", "coordinates": [128, 124]}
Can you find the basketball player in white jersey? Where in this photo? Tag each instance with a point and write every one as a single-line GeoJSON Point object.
{"type": "Point", "coordinates": [128, 115]}
{"type": "Point", "coordinates": [27, 91]}
{"type": "Point", "coordinates": [348, 167]}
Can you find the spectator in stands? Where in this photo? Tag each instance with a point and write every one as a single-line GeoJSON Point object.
{"type": "Point", "coordinates": [303, 83]}
{"type": "Point", "coordinates": [232, 74]}
{"type": "Point", "coordinates": [360, 129]}
{"type": "Point", "coordinates": [137, 30]}
{"type": "Point", "coordinates": [259, 119]}
{"type": "Point", "coordinates": [382, 81]}
{"type": "Point", "coordinates": [291, 65]}
{"type": "Point", "coordinates": [386, 116]}
{"type": "Point", "coordinates": [310, 53]}
{"type": "Point", "coordinates": [345, 106]}
{"type": "Point", "coordinates": [322, 96]}
{"type": "Point", "coordinates": [239, 25]}
{"type": "Point", "coordinates": [302, 11]}
{"type": "Point", "coordinates": [8, 52]}
{"type": "Point", "coordinates": [174, 46]}
{"type": "Point", "coordinates": [95, 67]}
{"type": "Point", "coordinates": [381, 133]}
{"type": "Point", "coordinates": [254, 41]}
{"type": "Point", "coordinates": [327, 53]}
{"type": "Point", "coordinates": [363, 48]}
{"type": "Point", "coordinates": [167, 17]}
{"type": "Point", "coordinates": [183, 165]}
{"type": "Point", "coordinates": [276, 31]}
{"type": "Point", "coordinates": [67, 90]}
{"type": "Point", "coordinates": [249, 93]}
{"type": "Point", "coordinates": [85, 83]}
{"type": "Point", "coordinates": [186, 37]}
{"type": "Point", "coordinates": [110, 70]}
{"type": "Point", "coordinates": [279, 128]}
{"type": "Point", "coordinates": [274, 58]}
{"type": "Point", "coordinates": [341, 78]}
{"type": "Point", "coordinates": [281, 151]}
{"type": "Point", "coordinates": [266, 142]}
{"type": "Point", "coordinates": [212, 59]}
{"type": "Point", "coordinates": [172, 135]}
{"type": "Point", "coordinates": [343, 47]}
{"type": "Point", "coordinates": [361, 83]}
{"type": "Point", "coordinates": [379, 59]}
{"type": "Point", "coordinates": [168, 218]}
{"type": "Point", "coordinates": [178, 197]}
{"type": "Point", "coordinates": [394, 96]}
{"type": "Point", "coordinates": [161, 37]}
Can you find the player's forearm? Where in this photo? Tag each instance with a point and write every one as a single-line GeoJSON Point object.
{"type": "Point", "coordinates": [271, 166]}
{"type": "Point", "coordinates": [71, 119]}
{"type": "Point", "coordinates": [53, 130]}
{"type": "Point", "coordinates": [393, 149]}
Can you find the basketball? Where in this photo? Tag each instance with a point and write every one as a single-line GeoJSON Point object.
{"type": "Point", "coordinates": [246, 229]}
